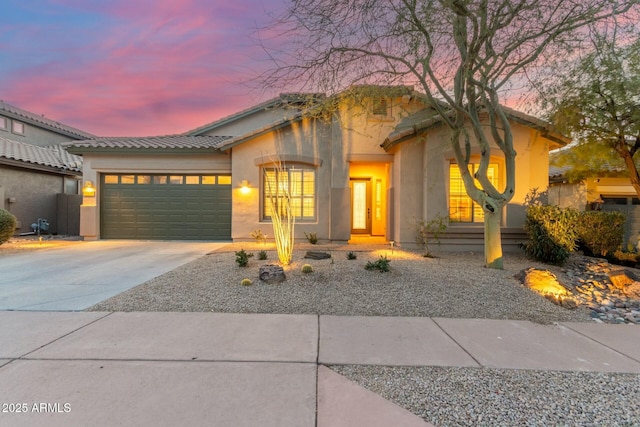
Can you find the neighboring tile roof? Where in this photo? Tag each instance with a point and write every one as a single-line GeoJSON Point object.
{"type": "Point", "coordinates": [175, 142]}
{"type": "Point", "coordinates": [40, 120]}
{"type": "Point", "coordinates": [54, 156]}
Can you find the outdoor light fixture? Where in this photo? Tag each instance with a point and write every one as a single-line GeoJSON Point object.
{"type": "Point", "coordinates": [244, 187]}
{"type": "Point", "coordinates": [88, 190]}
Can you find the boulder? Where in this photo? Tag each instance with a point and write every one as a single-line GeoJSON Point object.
{"type": "Point", "coordinates": [317, 255]}
{"type": "Point", "coordinates": [271, 273]}
{"type": "Point", "coordinates": [542, 281]}
{"type": "Point", "coordinates": [622, 278]}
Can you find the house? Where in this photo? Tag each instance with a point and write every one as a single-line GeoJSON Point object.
{"type": "Point", "coordinates": [379, 164]}
{"type": "Point", "coordinates": [609, 191]}
{"type": "Point", "coordinates": [38, 179]}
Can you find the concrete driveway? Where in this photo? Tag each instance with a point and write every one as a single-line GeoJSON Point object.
{"type": "Point", "coordinates": [76, 277]}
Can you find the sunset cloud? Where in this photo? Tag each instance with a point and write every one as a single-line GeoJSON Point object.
{"type": "Point", "coordinates": [131, 68]}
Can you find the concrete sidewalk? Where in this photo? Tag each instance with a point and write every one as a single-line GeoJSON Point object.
{"type": "Point", "coordinates": [151, 369]}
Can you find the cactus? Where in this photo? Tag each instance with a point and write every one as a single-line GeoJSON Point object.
{"type": "Point", "coordinates": [307, 268]}
{"type": "Point", "coordinates": [246, 282]}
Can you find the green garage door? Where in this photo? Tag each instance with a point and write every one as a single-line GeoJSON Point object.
{"type": "Point", "coordinates": [165, 207]}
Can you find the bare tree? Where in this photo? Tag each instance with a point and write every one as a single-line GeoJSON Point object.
{"type": "Point", "coordinates": [463, 54]}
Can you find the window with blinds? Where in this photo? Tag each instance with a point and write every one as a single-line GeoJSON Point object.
{"type": "Point", "coordinates": [461, 207]}
{"type": "Point", "coordinates": [299, 182]}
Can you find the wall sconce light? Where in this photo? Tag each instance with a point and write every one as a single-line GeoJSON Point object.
{"type": "Point", "coordinates": [244, 187]}
{"type": "Point", "coordinates": [88, 190]}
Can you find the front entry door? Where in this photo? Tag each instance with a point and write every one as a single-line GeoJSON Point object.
{"type": "Point", "coordinates": [360, 206]}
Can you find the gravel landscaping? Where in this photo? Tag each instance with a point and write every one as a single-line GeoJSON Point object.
{"type": "Point", "coordinates": [505, 397]}
{"type": "Point", "coordinates": [454, 285]}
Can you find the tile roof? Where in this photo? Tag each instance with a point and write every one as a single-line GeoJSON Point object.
{"type": "Point", "coordinates": [40, 120]}
{"type": "Point", "coordinates": [175, 142]}
{"type": "Point", "coordinates": [53, 156]}
{"type": "Point", "coordinates": [282, 99]}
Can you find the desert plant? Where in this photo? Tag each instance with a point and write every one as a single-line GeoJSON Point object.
{"type": "Point", "coordinates": [246, 282]}
{"type": "Point", "coordinates": [242, 258]}
{"type": "Point", "coordinates": [278, 195]}
{"type": "Point", "coordinates": [600, 233]}
{"type": "Point", "coordinates": [351, 255]}
{"type": "Point", "coordinates": [259, 236]}
{"type": "Point", "coordinates": [307, 268]}
{"type": "Point", "coordinates": [7, 225]}
{"type": "Point", "coordinates": [311, 237]}
{"type": "Point", "coordinates": [382, 264]}
{"type": "Point", "coordinates": [430, 231]}
{"type": "Point", "coordinates": [552, 233]}
{"type": "Point", "coordinates": [262, 255]}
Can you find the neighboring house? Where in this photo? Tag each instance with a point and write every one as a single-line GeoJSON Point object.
{"type": "Point", "coordinates": [609, 192]}
{"type": "Point", "coordinates": [36, 173]}
{"type": "Point", "coordinates": [373, 170]}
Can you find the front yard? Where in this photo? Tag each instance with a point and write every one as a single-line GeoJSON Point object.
{"type": "Point", "coordinates": [455, 285]}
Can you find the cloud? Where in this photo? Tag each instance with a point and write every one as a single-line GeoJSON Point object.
{"type": "Point", "coordinates": [137, 68]}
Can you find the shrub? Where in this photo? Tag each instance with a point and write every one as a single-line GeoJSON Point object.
{"type": "Point", "coordinates": [600, 233]}
{"type": "Point", "coordinates": [258, 235]}
{"type": "Point", "coordinates": [312, 238]}
{"type": "Point", "coordinates": [351, 255]}
{"type": "Point", "coordinates": [627, 259]}
{"type": "Point", "coordinates": [307, 268]}
{"type": "Point", "coordinates": [8, 224]}
{"type": "Point", "coordinates": [552, 233]}
{"type": "Point", "coordinates": [262, 255]}
{"type": "Point", "coordinates": [246, 282]}
{"type": "Point", "coordinates": [382, 265]}
{"type": "Point", "coordinates": [427, 231]}
{"type": "Point", "coordinates": [242, 258]}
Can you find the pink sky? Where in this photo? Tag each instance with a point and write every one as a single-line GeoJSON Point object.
{"type": "Point", "coordinates": [122, 67]}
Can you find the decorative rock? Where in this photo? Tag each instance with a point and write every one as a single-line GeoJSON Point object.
{"type": "Point", "coordinates": [317, 255]}
{"type": "Point", "coordinates": [633, 290]}
{"type": "Point", "coordinates": [622, 278]}
{"type": "Point", "coordinates": [271, 273]}
{"type": "Point", "coordinates": [542, 281]}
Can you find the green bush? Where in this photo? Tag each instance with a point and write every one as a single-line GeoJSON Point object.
{"type": "Point", "coordinates": [600, 233]}
{"type": "Point", "coordinates": [312, 238]}
{"type": "Point", "coordinates": [552, 233]}
{"type": "Point", "coordinates": [382, 265]}
{"type": "Point", "coordinates": [8, 224]}
{"type": "Point", "coordinates": [262, 255]}
{"type": "Point", "coordinates": [351, 255]}
{"type": "Point", "coordinates": [242, 258]}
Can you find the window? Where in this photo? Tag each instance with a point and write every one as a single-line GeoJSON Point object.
{"type": "Point", "coordinates": [71, 186]}
{"type": "Point", "coordinates": [18, 127]}
{"type": "Point", "coordinates": [3, 123]}
{"type": "Point", "coordinates": [379, 107]}
{"type": "Point", "coordinates": [461, 207]}
{"type": "Point", "coordinates": [301, 184]}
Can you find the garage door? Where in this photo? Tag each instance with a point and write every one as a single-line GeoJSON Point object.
{"type": "Point", "coordinates": [165, 207]}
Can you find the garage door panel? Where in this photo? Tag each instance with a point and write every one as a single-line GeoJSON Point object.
{"type": "Point", "coordinates": [166, 211]}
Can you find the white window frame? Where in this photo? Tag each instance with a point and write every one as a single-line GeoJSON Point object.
{"type": "Point", "coordinates": [15, 123]}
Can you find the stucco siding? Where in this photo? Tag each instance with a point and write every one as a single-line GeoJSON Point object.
{"type": "Point", "coordinates": [306, 141]}
{"type": "Point", "coordinates": [33, 196]}
{"type": "Point", "coordinates": [33, 134]}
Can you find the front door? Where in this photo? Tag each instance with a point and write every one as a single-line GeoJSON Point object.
{"type": "Point", "coordinates": [360, 206]}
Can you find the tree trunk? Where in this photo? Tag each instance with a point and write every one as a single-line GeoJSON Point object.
{"type": "Point", "coordinates": [493, 239]}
